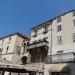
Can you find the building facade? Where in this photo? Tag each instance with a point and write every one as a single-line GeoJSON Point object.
{"type": "Point", "coordinates": [12, 48]}
{"type": "Point", "coordinates": [53, 45]}
{"type": "Point", "coordinates": [50, 51]}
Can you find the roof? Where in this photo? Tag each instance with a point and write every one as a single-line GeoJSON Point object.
{"type": "Point", "coordinates": [7, 65]}
{"type": "Point", "coordinates": [16, 33]}
{"type": "Point", "coordinates": [51, 19]}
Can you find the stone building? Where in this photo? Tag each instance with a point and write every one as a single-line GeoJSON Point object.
{"type": "Point", "coordinates": [52, 45]}
{"type": "Point", "coordinates": [12, 48]}
{"type": "Point", "coordinates": [50, 51]}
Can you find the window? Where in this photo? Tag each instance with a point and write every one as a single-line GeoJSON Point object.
{"type": "Point", "coordinates": [59, 19]}
{"type": "Point", "coordinates": [59, 52]}
{"type": "Point", "coordinates": [28, 43]}
{"type": "Point", "coordinates": [33, 73]}
{"type": "Point", "coordinates": [18, 49]}
{"type": "Point", "coordinates": [1, 50]}
{"type": "Point", "coordinates": [24, 60]}
{"type": "Point", "coordinates": [41, 73]}
{"type": "Point", "coordinates": [2, 41]}
{"type": "Point", "coordinates": [45, 39]}
{"type": "Point", "coordinates": [59, 40]}
{"type": "Point", "coordinates": [24, 46]}
{"type": "Point", "coordinates": [7, 49]}
{"type": "Point", "coordinates": [73, 13]}
{"type": "Point", "coordinates": [59, 28]}
{"type": "Point", "coordinates": [45, 29]}
{"type": "Point", "coordinates": [9, 39]}
{"type": "Point", "coordinates": [23, 43]}
{"type": "Point", "coordinates": [35, 33]}
{"type": "Point", "coordinates": [74, 23]}
{"type": "Point", "coordinates": [73, 37]}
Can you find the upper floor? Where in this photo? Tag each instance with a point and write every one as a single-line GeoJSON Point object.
{"type": "Point", "coordinates": [12, 43]}
{"type": "Point", "coordinates": [59, 32]}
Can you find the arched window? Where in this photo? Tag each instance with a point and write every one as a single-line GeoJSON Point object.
{"type": "Point", "coordinates": [24, 60]}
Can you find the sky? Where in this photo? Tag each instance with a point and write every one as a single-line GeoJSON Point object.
{"type": "Point", "coordinates": [22, 15]}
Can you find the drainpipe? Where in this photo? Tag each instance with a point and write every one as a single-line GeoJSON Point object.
{"type": "Point", "coordinates": [51, 43]}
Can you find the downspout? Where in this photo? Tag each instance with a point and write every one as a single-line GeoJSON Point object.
{"type": "Point", "coordinates": [51, 43]}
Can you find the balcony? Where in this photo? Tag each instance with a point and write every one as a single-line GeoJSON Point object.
{"type": "Point", "coordinates": [34, 66]}
{"type": "Point", "coordinates": [64, 57]}
{"type": "Point", "coordinates": [37, 44]}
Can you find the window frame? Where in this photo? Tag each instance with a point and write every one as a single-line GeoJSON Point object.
{"type": "Point", "coordinates": [2, 41]}
{"type": "Point", "coordinates": [9, 39]}
{"type": "Point", "coordinates": [45, 29]}
{"type": "Point", "coordinates": [59, 19]}
{"type": "Point", "coordinates": [73, 13]}
{"type": "Point", "coordinates": [73, 23]}
{"type": "Point", "coordinates": [59, 28]}
{"type": "Point", "coordinates": [60, 52]}
{"type": "Point", "coordinates": [7, 49]}
{"type": "Point", "coordinates": [59, 39]}
{"type": "Point", "coordinates": [73, 36]}
{"type": "Point", "coordinates": [1, 49]}
{"type": "Point", "coordinates": [35, 33]}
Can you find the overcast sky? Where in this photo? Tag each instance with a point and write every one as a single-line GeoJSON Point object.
{"type": "Point", "coordinates": [21, 15]}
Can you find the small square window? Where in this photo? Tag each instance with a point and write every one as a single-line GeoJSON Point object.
{"type": "Point", "coordinates": [45, 29]}
{"type": "Point", "coordinates": [59, 28]}
{"type": "Point", "coordinates": [35, 33]}
{"type": "Point", "coordinates": [74, 23]}
{"type": "Point", "coordinates": [74, 13]}
{"type": "Point", "coordinates": [59, 19]}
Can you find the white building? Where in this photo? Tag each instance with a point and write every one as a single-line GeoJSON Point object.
{"type": "Point", "coordinates": [53, 45]}
{"type": "Point", "coordinates": [12, 48]}
{"type": "Point", "coordinates": [50, 51]}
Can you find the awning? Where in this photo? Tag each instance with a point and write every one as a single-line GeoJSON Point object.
{"type": "Point", "coordinates": [6, 65]}
{"type": "Point", "coordinates": [59, 68]}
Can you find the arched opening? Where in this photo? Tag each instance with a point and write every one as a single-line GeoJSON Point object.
{"type": "Point", "coordinates": [24, 60]}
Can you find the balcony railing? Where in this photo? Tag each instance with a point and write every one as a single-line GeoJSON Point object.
{"type": "Point", "coordinates": [37, 44]}
{"type": "Point", "coordinates": [64, 57]}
